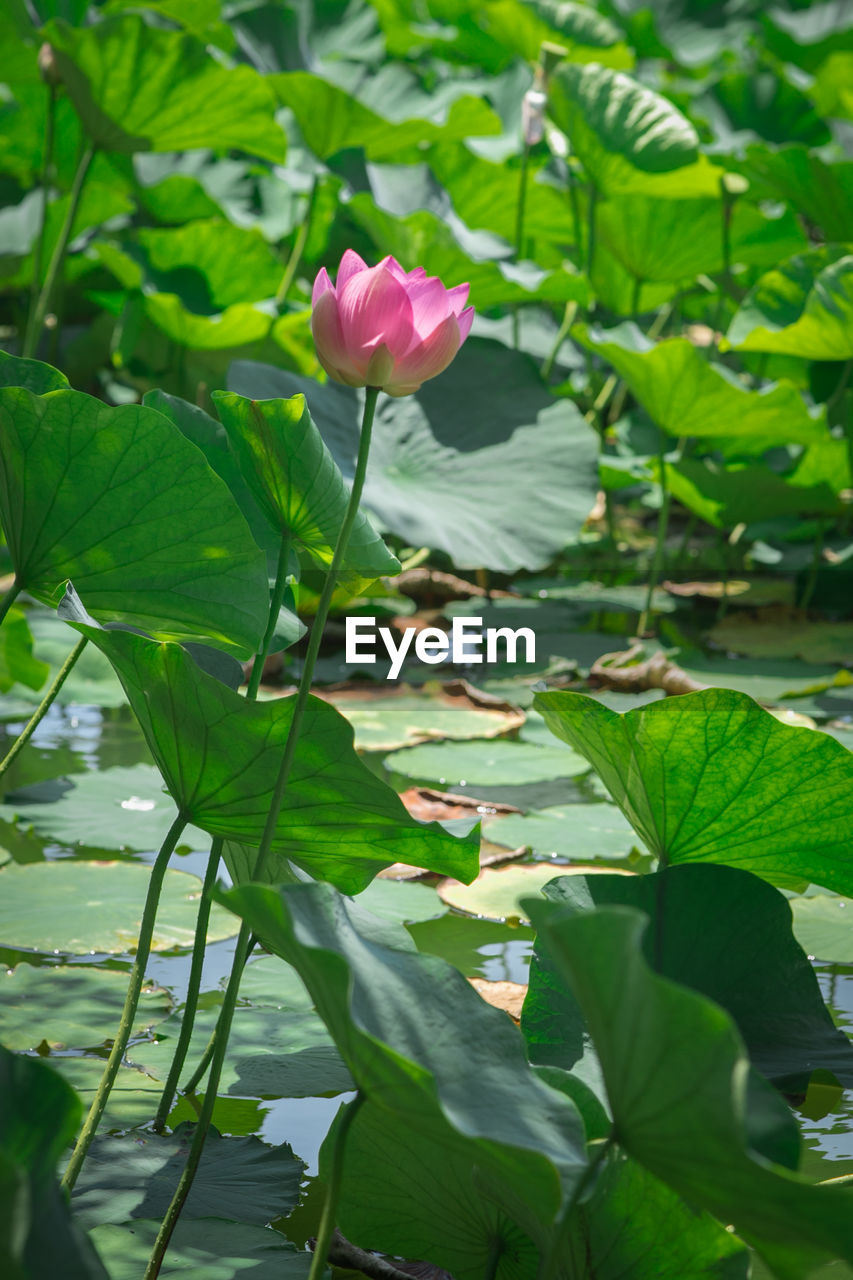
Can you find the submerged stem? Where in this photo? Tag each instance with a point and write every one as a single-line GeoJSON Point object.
{"type": "Point", "coordinates": [244, 938]}
{"type": "Point", "coordinates": [193, 987]}
{"type": "Point", "coordinates": [137, 975]}
{"type": "Point", "coordinates": [43, 707]}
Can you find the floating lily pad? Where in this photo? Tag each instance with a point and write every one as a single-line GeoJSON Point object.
{"type": "Point", "coordinates": [83, 907]}
{"type": "Point", "coordinates": [497, 892]}
{"type": "Point", "coordinates": [133, 1099]}
{"type": "Point", "coordinates": [579, 831]}
{"type": "Point", "coordinates": [823, 926]}
{"type": "Point", "coordinates": [201, 1249]}
{"type": "Point", "coordinates": [403, 903]}
{"type": "Point", "coordinates": [383, 722]}
{"type": "Point", "coordinates": [779, 635]}
{"type": "Point", "coordinates": [134, 1176]}
{"type": "Point", "coordinates": [481, 764]}
{"type": "Point", "coordinates": [113, 809]}
{"type": "Point", "coordinates": [69, 1006]}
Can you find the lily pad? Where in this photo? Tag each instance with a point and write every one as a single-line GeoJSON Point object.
{"type": "Point", "coordinates": [201, 1249]}
{"type": "Point", "coordinates": [133, 1099]}
{"type": "Point", "coordinates": [581, 832]}
{"type": "Point", "coordinates": [485, 763]}
{"type": "Point", "coordinates": [82, 907]}
{"type": "Point", "coordinates": [385, 722]}
{"type": "Point", "coordinates": [69, 1006]}
{"type": "Point", "coordinates": [119, 808]}
{"type": "Point", "coordinates": [823, 926]}
{"type": "Point", "coordinates": [497, 892]}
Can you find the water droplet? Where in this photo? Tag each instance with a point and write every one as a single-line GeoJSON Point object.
{"type": "Point", "coordinates": [143, 806]}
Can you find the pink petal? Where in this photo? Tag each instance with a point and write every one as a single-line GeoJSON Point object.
{"type": "Point", "coordinates": [465, 321]}
{"type": "Point", "coordinates": [418, 273]}
{"type": "Point", "coordinates": [391, 264]}
{"type": "Point", "coordinates": [373, 307]}
{"type": "Point", "coordinates": [321, 285]}
{"type": "Point", "coordinates": [429, 306]}
{"type": "Point", "coordinates": [332, 351]}
{"type": "Point", "coordinates": [428, 358]}
{"type": "Point", "coordinates": [458, 297]}
{"type": "Point", "coordinates": [351, 263]}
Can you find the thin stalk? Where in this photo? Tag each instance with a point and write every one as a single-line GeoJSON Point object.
{"type": "Point", "coordinates": [811, 581]}
{"type": "Point", "coordinates": [840, 388]}
{"type": "Point", "coordinates": [552, 1262]}
{"type": "Point", "coordinates": [660, 541]}
{"type": "Point", "coordinates": [39, 311]}
{"type": "Point", "coordinates": [244, 938]}
{"type": "Point", "coordinates": [520, 209]}
{"type": "Point", "coordinates": [275, 606]}
{"type": "Point", "coordinates": [193, 987]}
{"type": "Point", "coordinates": [43, 707]}
{"type": "Point", "coordinates": [297, 250]}
{"type": "Point", "coordinates": [574, 205]}
{"type": "Point", "coordinates": [685, 541]}
{"type": "Point", "coordinates": [562, 333]}
{"type": "Point", "coordinates": [207, 1057]}
{"type": "Point", "coordinates": [333, 1191]}
{"type": "Point", "coordinates": [46, 173]}
{"type": "Point", "coordinates": [137, 975]}
{"type": "Point", "coordinates": [9, 599]}
{"type": "Point", "coordinates": [590, 231]}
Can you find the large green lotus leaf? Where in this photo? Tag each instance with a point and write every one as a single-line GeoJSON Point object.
{"type": "Point", "coordinates": [38, 1117]}
{"type": "Point", "coordinates": [713, 777]}
{"type": "Point", "coordinates": [807, 37]}
{"type": "Point", "coordinates": [77, 908]}
{"type": "Point", "coordinates": [675, 1071]}
{"type": "Point", "coordinates": [817, 187]}
{"type": "Point", "coordinates": [210, 263]}
{"type": "Point", "coordinates": [688, 396]}
{"type": "Point", "coordinates": [32, 374]}
{"type": "Point", "coordinates": [423, 239]}
{"type": "Point", "coordinates": [770, 107]}
{"type": "Point", "coordinates": [802, 308]}
{"type": "Point", "coordinates": [422, 1045]}
{"type": "Point", "coordinates": [17, 664]}
{"type": "Point", "coordinates": [119, 500]}
{"type": "Point", "coordinates": [143, 88]}
{"type": "Point", "coordinates": [582, 832]}
{"type": "Point", "coordinates": [134, 1176]}
{"type": "Point", "coordinates": [100, 202]}
{"type": "Point", "coordinates": [331, 120]}
{"type": "Point", "coordinates": [658, 239]}
{"type": "Point", "coordinates": [70, 1006]}
{"type": "Point", "coordinates": [201, 1249]}
{"type": "Point", "coordinates": [444, 463]}
{"type": "Point", "coordinates": [220, 757]}
{"type": "Point", "coordinates": [726, 934]}
{"type": "Point", "coordinates": [738, 493]}
{"type": "Point", "coordinates": [485, 763]}
{"type": "Point", "coordinates": [585, 35]}
{"type": "Point", "coordinates": [628, 138]}
{"type": "Point", "coordinates": [297, 483]}
{"type": "Point", "coordinates": [116, 808]}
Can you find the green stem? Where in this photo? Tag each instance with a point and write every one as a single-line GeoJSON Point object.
{"type": "Point", "coordinates": [9, 599]}
{"type": "Point", "coordinates": [137, 975]}
{"type": "Point", "coordinates": [660, 541]}
{"type": "Point", "coordinates": [333, 1190]}
{"type": "Point", "coordinates": [811, 581]}
{"type": "Point", "coordinates": [562, 333]}
{"type": "Point", "coordinates": [275, 606]}
{"type": "Point", "coordinates": [298, 249]}
{"type": "Point", "coordinates": [43, 707]}
{"type": "Point", "coordinates": [39, 311]}
{"type": "Point", "coordinates": [207, 1057]}
{"type": "Point", "coordinates": [193, 987]}
{"type": "Point", "coordinates": [685, 541]}
{"type": "Point", "coordinates": [520, 209]}
{"type": "Point", "coordinates": [47, 167]}
{"type": "Point", "coordinates": [574, 204]}
{"type": "Point", "coordinates": [590, 231]}
{"type": "Point", "coordinates": [553, 1260]}
{"type": "Point", "coordinates": [244, 937]}
{"type": "Point", "coordinates": [840, 388]}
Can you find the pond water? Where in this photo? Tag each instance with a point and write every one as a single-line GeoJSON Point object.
{"type": "Point", "coordinates": [76, 741]}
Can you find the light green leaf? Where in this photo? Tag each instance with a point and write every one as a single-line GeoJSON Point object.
{"type": "Point", "coordinates": [133, 1099]}
{"type": "Point", "coordinates": [655, 1040]}
{"type": "Point", "coordinates": [819, 188]}
{"type": "Point", "coordinates": [688, 396]}
{"type": "Point", "coordinates": [119, 501]}
{"type": "Point", "coordinates": [384, 722]}
{"type": "Point", "coordinates": [143, 88]}
{"type": "Point", "coordinates": [489, 763]}
{"type": "Point", "coordinates": [445, 462]}
{"type": "Point", "coordinates": [220, 757]}
{"type": "Point", "coordinates": [802, 308]}
{"type": "Point", "coordinates": [713, 777]}
{"type": "Point", "coordinates": [737, 493]}
{"type": "Point", "coordinates": [628, 138]}
{"type": "Point", "coordinates": [82, 907]}
{"type": "Point", "coordinates": [297, 483]}
{"type": "Point", "coordinates": [499, 893]}
{"type": "Point", "coordinates": [32, 374]}
{"type": "Point", "coordinates": [582, 832]}
{"type": "Point", "coordinates": [17, 664]}
{"type": "Point", "coordinates": [70, 1007]}
{"type": "Point", "coordinates": [822, 926]}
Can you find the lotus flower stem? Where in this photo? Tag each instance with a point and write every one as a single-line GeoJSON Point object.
{"type": "Point", "coordinates": [137, 975]}
{"type": "Point", "coordinates": [298, 249]}
{"type": "Point", "coordinates": [46, 170]}
{"type": "Point", "coordinates": [275, 606]}
{"type": "Point", "coordinates": [562, 333]}
{"type": "Point", "coordinates": [333, 1190]}
{"type": "Point", "coordinates": [193, 987]}
{"type": "Point", "coordinates": [244, 938]}
{"type": "Point", "coordinates": [43, 707]}
{"type": "Point", "coordinates": [36, 320]}
{"type": "Point", "coordinates": [660, 540]}
{"type": "Point", "coordinates": [205, 1059]}
{"type": "Point", "coordinates": [811, 580]}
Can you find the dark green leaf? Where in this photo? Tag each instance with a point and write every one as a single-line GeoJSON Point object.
{"type": "Point", "coordinates": [70, 1006]}
{"type": "Point", "coordinates": [802, 308]}
{"type": "Point", "coordinates": [204, 1248]}
{"type": "Point", "coordinates": [32, 374]}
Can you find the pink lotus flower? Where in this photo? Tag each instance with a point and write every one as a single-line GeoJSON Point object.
{"type": "Point", "coordinates": [385, 327]}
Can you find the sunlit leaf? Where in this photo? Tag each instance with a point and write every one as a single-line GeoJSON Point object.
{"type": "Point", "coordinates": [802, 308]}
{"type": "Point", "coordinates": [17, 664]}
